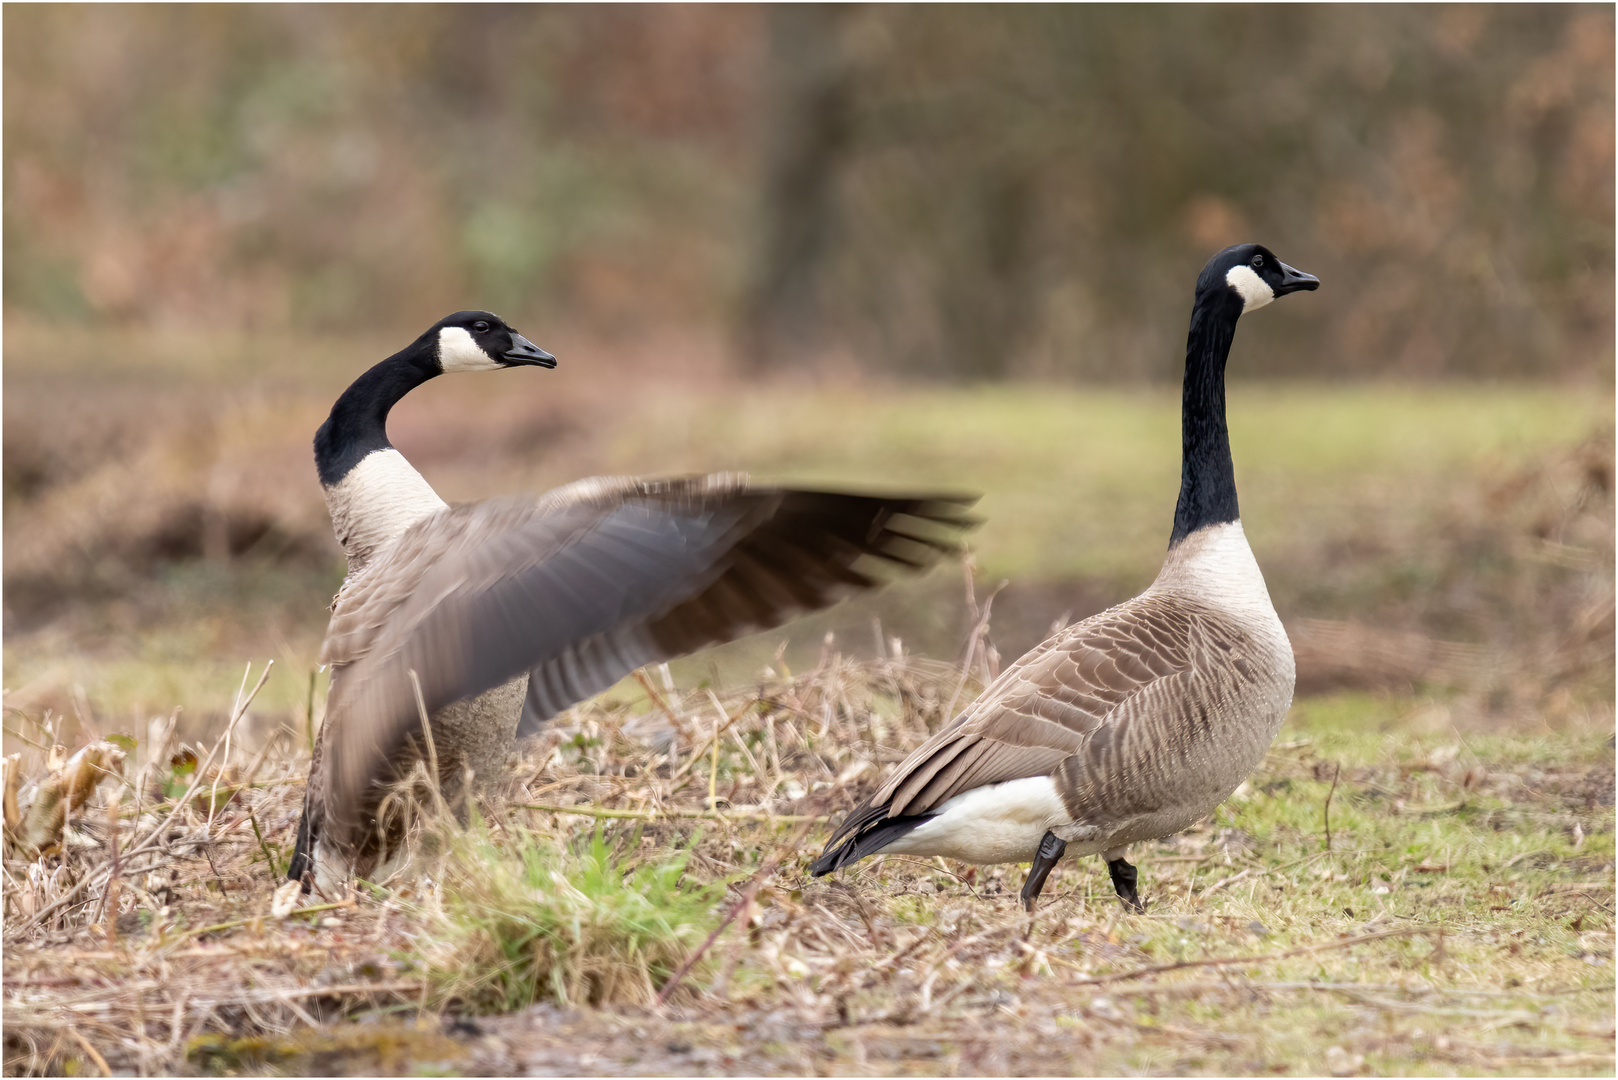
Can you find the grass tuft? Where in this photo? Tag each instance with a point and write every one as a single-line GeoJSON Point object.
{"type": "Point", "coordinates": [522, 920]}
{"type": "Point", "coordinates": [1460, 920]}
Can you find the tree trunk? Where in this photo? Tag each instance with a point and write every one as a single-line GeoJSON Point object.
{"type": "Point", "coordinates": [807, 133]}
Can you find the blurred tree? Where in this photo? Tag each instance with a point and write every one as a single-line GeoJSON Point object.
{"type": "Point", "coordinates": [950, 190]}
{"type": "Point", "coordinates": [1448, 172]}
{"type": "Point", "coordinates": [808, 91]}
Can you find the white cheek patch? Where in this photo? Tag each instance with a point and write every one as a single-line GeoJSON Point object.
{"type": "Point", "coordinates": [1255, 291]}
{"type": "Point", "coordinates": [458, 352]}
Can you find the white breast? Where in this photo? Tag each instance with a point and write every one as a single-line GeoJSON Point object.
{"type": "Point", "coordinates": [1215, 566]}
{"type": "Point", "coordinates": [378, 500]}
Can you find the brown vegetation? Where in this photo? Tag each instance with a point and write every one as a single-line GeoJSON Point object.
{"type": "Point", "coordinates": [215, 216]}
{"type": "Point", "coordinates": [1426, 933]}
{"type": "Point", "coordinates": [968, 192]}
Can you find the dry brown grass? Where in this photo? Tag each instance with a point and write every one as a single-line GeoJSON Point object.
{"type": "Point", "coordinates": [1460, 921]}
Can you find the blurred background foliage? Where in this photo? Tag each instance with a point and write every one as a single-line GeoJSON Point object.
{"type": "Point", "coordinates": [855, 245]}
{"type": "Point", "coordinates": [960, 191]}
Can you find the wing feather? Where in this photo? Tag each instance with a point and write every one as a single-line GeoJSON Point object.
{"type": "Point", "coordinates": [1041, 712]}
{"type": "Point", "coordinates": [579, 589]}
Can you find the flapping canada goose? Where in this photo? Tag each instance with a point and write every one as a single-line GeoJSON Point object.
{"type": "Point", "coordinates": [1136, 722]}
{"type": "Point", "coordinates": [504, 613]}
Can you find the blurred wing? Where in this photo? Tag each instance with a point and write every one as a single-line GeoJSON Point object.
{"type": "Point", "coordinates": [580, 591]}
{"type": "Point", "coordinates": [798, 551]}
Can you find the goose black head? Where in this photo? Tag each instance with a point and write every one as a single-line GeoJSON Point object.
{"type": "Point", "coordinates": [481, 341]}
{"type": "Point", "coordinates": [1253, 274]}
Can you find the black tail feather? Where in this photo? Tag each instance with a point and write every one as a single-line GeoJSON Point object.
{"type": "Point", "coordinates": [868, 840]}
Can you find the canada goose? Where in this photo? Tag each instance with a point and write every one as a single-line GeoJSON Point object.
{"type": "Point", "coordinates": [506, 612]}
{"type": "Point", "coordinates": [1135, 722]}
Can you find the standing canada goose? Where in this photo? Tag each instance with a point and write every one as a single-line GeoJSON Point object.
{"type": "Point", "coordinates": [1135, 722]}
{"type": "Point", "coordinates": [501, 614]}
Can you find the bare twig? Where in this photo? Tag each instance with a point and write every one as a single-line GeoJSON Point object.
{"type": "Point", "coordinates": [685, 770]}
{"type": "Point", "coordinates": [1325, 812]}
{"type": "Point", "coordinates": [269, 856]}
{"type": "Point", "coordinates": [20, 737]}
{"type": "Point", "coordinates": [660, 815]}
{"type": "Point", "coordinates": [427, 737]}
{"type": "Point", "coordinates": [976, 637]}
{"type": "Point", "coordinates": [1251, 871]}
{"type": "Point", "coordinates": [1577, 886]}
{"type": "Point", "coordinates": [340, 990]}
{"type": "Point", "coordinates": [660, 701]}
{"type": "Point", "coordinates": [95, 1055]}
{"type": "Point", "coordinates": [736, 909]}
{"type": "Point", "coordinates": [1193, 989]}
{"type": "Point", "coordinates": [237, 711]}
{"type": "Point", "coordinates": [1158, 969]}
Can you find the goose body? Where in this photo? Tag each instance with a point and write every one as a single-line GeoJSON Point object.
{"type": "Point", "coordinates": [503, 613]}
{"type": "Point", "coordinates": [1136, 722]}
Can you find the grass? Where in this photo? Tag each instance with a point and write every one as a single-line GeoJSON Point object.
{"type": "Point", "coordinates": [518, 920]}
{"type": "Point", "coordinates": [1081, 483]}
{"type": "Point", "coordinates": [1458, 921]}
{"type": "Point", "coordinates": [1379, 503]}
{"type": "Point", "coordinates": [1417, 880]}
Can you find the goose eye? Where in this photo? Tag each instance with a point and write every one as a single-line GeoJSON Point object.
{"type": "Point", "coordinates": [1258, 262]}
{"type": "Point", "coordinates": [481, 327]}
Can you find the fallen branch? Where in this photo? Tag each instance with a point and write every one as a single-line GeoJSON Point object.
{"type": "Point", "coordinates": [1247, 986]}
{"type": "Point", "coordinates": [1577, 886]}
{"type": "Point", "coordinates": [1558, 1061]}
{"type": "Point", "coordinates": [268, 996]}
{"type": "Point", "coordinates": [218, 927]}
{"type": "Point", "coordinates": [1233, 879]}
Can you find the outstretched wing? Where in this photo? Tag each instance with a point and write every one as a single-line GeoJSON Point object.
{"type": "Point", "coordinates": [583, 587]}
{"type": "Point", "coordinates": [797, 551]}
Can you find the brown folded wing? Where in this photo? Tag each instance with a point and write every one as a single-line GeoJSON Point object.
{"type": "Point", "coordinates": [1099, 674]}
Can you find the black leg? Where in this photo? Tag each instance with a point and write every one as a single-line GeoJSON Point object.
{"type": "Point", "coordinates": [1123, 880]}
{"type": "Point", "coordinates": [1050, 849]}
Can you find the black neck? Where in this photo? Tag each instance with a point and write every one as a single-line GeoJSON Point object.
{"type": "Point", "coordinates": [1207, 476]}
{"type": "Point", "coordinates": [358, 424]}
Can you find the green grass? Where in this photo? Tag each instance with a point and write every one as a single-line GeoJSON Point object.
{"type": "Point", "coordinates": [524, 920]}
{"type": "Point", "coordinates": [1081, 483]}
{"type": "Point", "coordinates": [1459, 922]}
{"type": "Point", "coordinates": [1349, 497]}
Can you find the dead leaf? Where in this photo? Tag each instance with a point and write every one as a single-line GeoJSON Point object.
{"type": "Point", "coordinates": [285, 899]}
